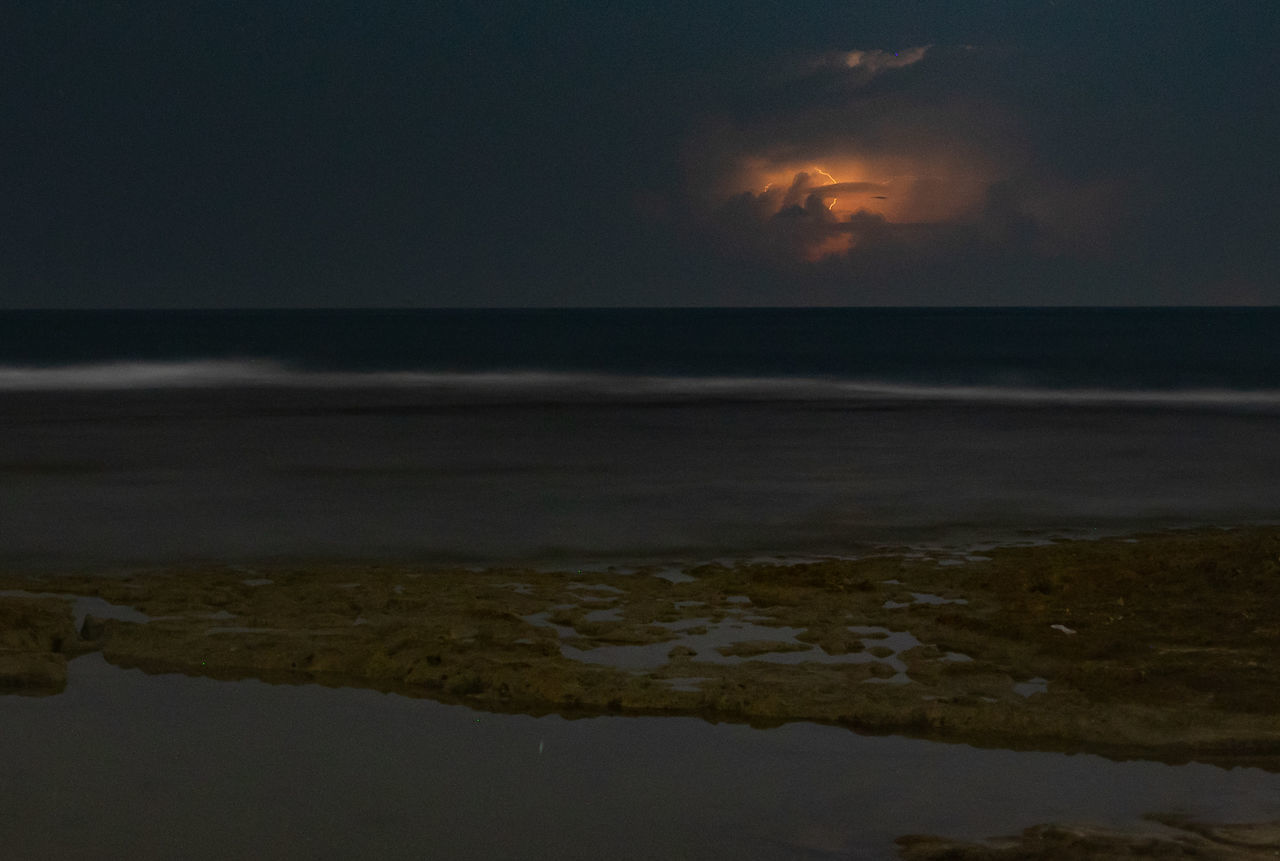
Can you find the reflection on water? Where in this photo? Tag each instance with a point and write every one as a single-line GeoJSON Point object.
{"type": "Point", "coordinates": [128, 765]}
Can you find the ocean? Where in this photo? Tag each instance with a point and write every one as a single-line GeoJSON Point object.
{"type": "Point", "coordinates": [623, 436]}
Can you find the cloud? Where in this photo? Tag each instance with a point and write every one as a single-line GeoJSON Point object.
{"type": "Point", "coordinates": [859, 67]}
{"type": "Point", "coordinates": [880, 60]}
{"type": "Point", "coordinates": [927, 164]}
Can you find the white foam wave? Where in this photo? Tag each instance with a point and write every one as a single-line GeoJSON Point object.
{"type": "Point", "coordinates": [584, 387]}
{"type": "Point", "coordinates": [141, 375]}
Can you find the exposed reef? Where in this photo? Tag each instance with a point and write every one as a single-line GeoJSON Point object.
{"type": "Point", "coordinates": [36, 637]}
{"type": "Point", "coordinates": [1161, 646]}
{"type": "Point", "coordinates": [1179, 837]}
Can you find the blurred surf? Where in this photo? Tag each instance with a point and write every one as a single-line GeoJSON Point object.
{"type": "Point", "coordinates": [561, 437]}
{"type": "Point", "coordinates": [529, 386]}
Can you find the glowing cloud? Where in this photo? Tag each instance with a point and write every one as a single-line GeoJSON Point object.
{"type": "Point", "coordinates": [833, 205]}
{"type": "Point", "coordinates": [858, 67]}
{"type": "Point", "coordinates": [835, 165]}
{"type": "Point", "coordinates": [877, 61]}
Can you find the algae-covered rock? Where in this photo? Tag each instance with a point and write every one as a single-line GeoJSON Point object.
{"type": "Point", "coordinates": [1182, 839]}
{"type": "Point", "coordinates": [35, 634]}
{"type": "Point", "coordinates": [92, 628]}
{"type": "Point", "coordinates": [35, 624]}
{"type": "Point", "coordinates": [32, 672]}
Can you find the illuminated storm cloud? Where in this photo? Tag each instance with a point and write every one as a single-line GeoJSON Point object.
{"type": "Point", "coordinates": [834, 204]}
{"type": "Point", "coordinates": [855, 155]}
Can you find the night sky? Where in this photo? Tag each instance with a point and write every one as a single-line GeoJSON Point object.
{"type": "Point", "coordinates": [420, 154]}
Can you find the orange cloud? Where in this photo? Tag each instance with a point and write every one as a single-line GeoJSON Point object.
{"type": "Point", "coordinates": [877, 61]}
{"type": "Point", "coordinates": [863, 65]}
{"type": "Point", "coordinates": [834, 163]}
{"type": "Point", "coordinates": [822, 204]}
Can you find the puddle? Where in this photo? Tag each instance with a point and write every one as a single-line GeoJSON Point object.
{"type": "Point", "coordinates": [543, 619]}
{"type": "Point", "coordinates": [726, 634]}
{"type": "Point", "coordinates": [597, 587]}
{"type": "Point", "coordinates": [673, 575]}
{"type": "Point", "coordinates": [609, 614]}
{"type": "Point", "coordinates": [923, 598]}
{"type": "Point", "coordinates": [704, 646]}
{"type": "Point", "coordinates": [685, 624]}
{"type": "Point", "coordinates": [895, 642]}
{"type": "Point", "coordinates": [230, 629]}
{"type": "Point", "coordinates": [702, 638]}
{"type": "Point", "coordinates": [926, 598]}
{"type": "Point", "coordinates": [1031, 687]}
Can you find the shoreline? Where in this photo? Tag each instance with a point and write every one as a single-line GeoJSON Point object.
{"type": "Point", "coordinates": [950, 544]}
{"type": "Point", "coordinates": [1153, 646]}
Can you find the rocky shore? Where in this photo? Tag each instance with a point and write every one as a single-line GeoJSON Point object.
{"type": "Point", "coordinates": [36, 638]}
{"type": "Point", "coordinates": [1158, 646]}
{"type": "Point", "coordinates": [1169, 837]}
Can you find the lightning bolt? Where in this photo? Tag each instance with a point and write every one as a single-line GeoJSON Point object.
{"type": "Point", "coordinates": [834, 200]}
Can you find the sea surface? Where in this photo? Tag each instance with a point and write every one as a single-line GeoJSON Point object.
{"type": "Point", "coordinates": [621, 436]}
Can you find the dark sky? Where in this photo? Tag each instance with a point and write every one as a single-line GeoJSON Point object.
{"type": "Point", "coordinates": [303, 152]}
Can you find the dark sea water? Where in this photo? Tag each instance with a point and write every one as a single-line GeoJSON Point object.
{"type": "Point", "coordinates": [578, 436]}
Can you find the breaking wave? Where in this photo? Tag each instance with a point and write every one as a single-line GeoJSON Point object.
{"type": "Point", "coordinates": [525, 386]}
